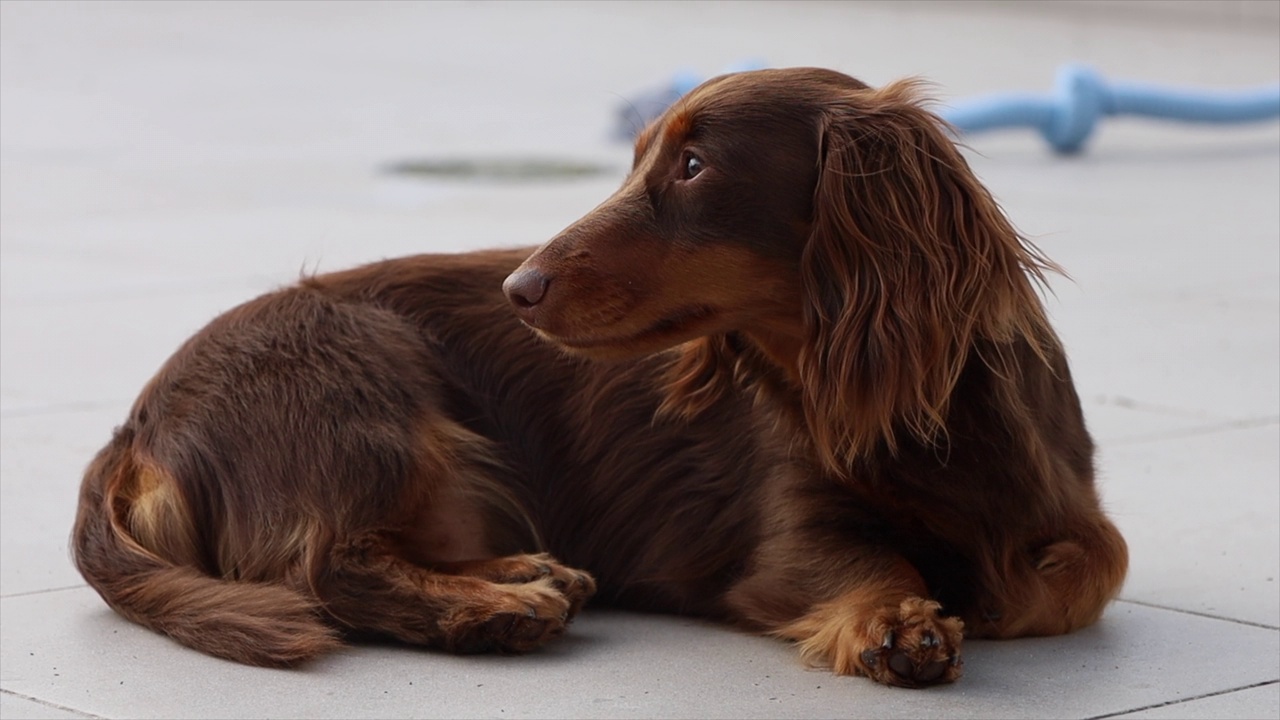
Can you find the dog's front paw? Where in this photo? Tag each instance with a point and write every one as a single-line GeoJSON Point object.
{"type": "Point", "coordinates": [912, 645]}
{"type": "Point", "coordinates": [909, 644]}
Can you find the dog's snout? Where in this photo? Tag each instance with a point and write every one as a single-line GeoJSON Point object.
{"type": "Point", "coordinates": [525, 288]}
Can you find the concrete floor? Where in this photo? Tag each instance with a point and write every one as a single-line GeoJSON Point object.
{"type": "Point", "coordinates": [162, 162]}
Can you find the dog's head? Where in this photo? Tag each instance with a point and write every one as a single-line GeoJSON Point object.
{"type": "Point", "coordinates": [832, 226]}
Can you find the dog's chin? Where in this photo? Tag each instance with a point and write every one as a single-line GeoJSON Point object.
{"type": "Point", "coordinates": [605, 352]}
{"type": "Point", "coordinates": [613, 343]}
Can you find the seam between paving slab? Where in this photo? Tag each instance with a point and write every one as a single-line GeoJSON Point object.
{"type": "Point", "coordinates": [1209, 429]}
{"type": "Point", "coordinates": [1198, 613]}
{"type": "Point", "coordinates": [259, 284]}
{"type": "Point", "coordinates": [1128, 403]}
{"type": "Point", "coordinates": [66, 407]}
{"type": "Point", "coordinates": [41, 592]}
{"type": "Point", "coordinates": [1185, 700]}
{"type": "Point", "coordinates": [47, 703]}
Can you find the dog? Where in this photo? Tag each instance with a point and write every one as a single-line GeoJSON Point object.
{"type": "Point", "coordinates": [794, 375]}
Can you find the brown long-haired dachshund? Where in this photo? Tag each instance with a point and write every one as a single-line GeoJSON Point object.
{"type": "Point", "coordinates": [809, 388]}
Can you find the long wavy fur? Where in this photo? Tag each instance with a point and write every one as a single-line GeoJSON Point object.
{"type": "Point", "coordinates": [908, 262]}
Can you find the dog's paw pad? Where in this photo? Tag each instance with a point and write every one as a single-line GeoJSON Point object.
{"type": "Point", "coordinates": [925, 673]}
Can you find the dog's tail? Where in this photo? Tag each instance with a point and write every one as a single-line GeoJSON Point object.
{"type": "Point", "coordinates": [135, 544]}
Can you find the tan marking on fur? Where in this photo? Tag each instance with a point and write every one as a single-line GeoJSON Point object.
{"type": "Point", "coordinates": [156, 514]}
{"type": "Point", "coordinates": [693, 292]}
{"type": "Point", "coordinates": [677, 127]}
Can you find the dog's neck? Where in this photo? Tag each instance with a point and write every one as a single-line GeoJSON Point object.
{"type": "Point", "coordinates": [780, 344]}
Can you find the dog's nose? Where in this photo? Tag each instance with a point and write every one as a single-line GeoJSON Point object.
{"type": "Point", "coordinates": [525, 288]}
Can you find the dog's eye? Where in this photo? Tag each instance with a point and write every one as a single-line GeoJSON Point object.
{"type": "Point", "coordinates": [692, 166]}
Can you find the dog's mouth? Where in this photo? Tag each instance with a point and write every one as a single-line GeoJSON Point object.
{"type": "Point", "coordinates": [667, 332]}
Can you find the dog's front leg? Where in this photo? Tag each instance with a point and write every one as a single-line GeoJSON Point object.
{"type": "Point", "coordinates": [867, 613]}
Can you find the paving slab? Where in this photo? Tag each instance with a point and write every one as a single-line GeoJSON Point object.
{"type": "Point", "coordinates": [1201, 515]}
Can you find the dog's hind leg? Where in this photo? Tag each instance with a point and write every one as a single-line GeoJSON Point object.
{"type": "Point", "coordinates": [368, 586]}
{"type": "Point", "coordinates": [449, 568]}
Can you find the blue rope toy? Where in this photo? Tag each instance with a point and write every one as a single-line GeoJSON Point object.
{"type": "Point", "coordinates": [1066, 117]}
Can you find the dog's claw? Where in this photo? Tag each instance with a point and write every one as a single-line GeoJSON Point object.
{"type": "Point", "coordinates": [929, 640]}
{"type": "Point", "coordinates": [888, 641]}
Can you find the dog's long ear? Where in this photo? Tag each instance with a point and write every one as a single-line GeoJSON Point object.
{"type": "Point", "coordinates": [909, 262]}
